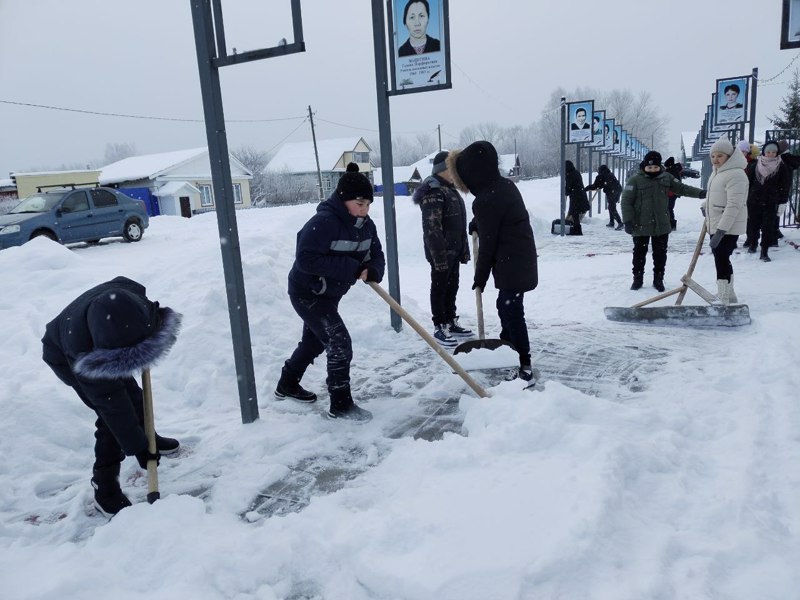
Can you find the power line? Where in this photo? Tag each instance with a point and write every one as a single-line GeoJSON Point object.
{"type": "Point", "coordinates": [147, 117]}
{"type": "Point", "coordinates": [287, 137]}
{"type": "Point", "coordinates": [764, 81]}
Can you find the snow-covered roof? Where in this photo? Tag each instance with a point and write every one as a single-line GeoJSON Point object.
{"type": "Point", "coordinates": [424, 165]}
{"type": "Point", "coordinates": [173, 187]}
{"type": "Point", "coordinates": [7, 183]}
{"type": "Point", "coordinates": [147, 166]}
{"type": "Point", "coordinates": [298, 157]}
{"type": "Point", "coordinates": [400, 174]}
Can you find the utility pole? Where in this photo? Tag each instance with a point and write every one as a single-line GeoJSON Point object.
{"type": "Point", "coordinates": [753, 94]}
{"type": "Point", "coordinates": [439, 128]}
{"type": "Point", "coordinates": [316, 154]}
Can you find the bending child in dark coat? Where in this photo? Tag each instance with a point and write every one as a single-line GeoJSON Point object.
{"type": "Point", "coordinates": [612, 188]}
{"type": "Point", "coordinates": [96, 345]}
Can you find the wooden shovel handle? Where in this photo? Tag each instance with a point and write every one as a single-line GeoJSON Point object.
{"type": "Point", "coordinates": [478, 294]}
{"type": "Point", "coordinates": [150, 431]}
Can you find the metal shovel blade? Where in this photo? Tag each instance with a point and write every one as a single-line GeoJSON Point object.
{"type": "Point", "coordinates": [730, 315]}
{"type": "Point", "coordinates": [489, 344]}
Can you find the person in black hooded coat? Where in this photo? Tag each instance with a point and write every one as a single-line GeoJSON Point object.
{"type": "Point", "coordinates": [96, 345]}
{"type": "Point", "coordinates": [506, 247]}
{"type": "Point", "coordinates": [578, 201]}
{"type": "Point", "coordinates": [612, 188]}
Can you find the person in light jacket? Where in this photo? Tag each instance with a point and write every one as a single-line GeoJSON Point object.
{"type": "Point", "coordinates": [725, 209]}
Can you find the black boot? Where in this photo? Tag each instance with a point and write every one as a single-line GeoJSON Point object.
{"type": "Point", "coordinates": [108, 496]}
{"type": "Point", "coordinates": [658, 281]}
{"type": "Point", "coordinates": [765, 254]}
{"type": "Point", "coordinates": [167, 445]}
{"type": "Point", "coordinates": [673, 224]}
{"type": "Point", "coordinates": [289, 387]}
{"type": "Point", "coordinates": [343, 407]}
{"type": "Point", "coordinates": [638, 281]}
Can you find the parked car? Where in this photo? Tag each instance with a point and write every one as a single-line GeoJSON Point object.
{"type": "Point", "coordinates": [689, 172]}
{"type": "Point", "coordinates": [74, 215]}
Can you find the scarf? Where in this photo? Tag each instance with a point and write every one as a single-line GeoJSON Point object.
{"type": "Point", "coordinates": [767, 167]}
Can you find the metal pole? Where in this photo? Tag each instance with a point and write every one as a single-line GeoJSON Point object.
{"type": "Point", "coordinates": [590, 181]}
{"type": "Point", "coordinates": [226, 213]}
{"type": "Point", "coordinates": [316, 154]}
{"type": "Point", "coordinates": [754, 89]}
{"type": "Point", "coordinates": [439, 128]}
{"type": "Point", "coordinates": [385, 133]}
{"type": "Point", "coordinates": [563, 161]}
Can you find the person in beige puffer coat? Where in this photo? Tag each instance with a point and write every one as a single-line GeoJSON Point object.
{"type": "Point", "coordinates": [725, 209]}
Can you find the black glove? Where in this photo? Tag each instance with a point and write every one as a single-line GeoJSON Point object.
{"type": "Point", "coordinates": [629, 228]}
{"type": "Point", "coordinates": [144, 456]}
{"type": "Point", "coordinates": [703, 210]}
{"type": "Point", "coordinates": [717, 238]}
{"type": "Point", "coordinates": [702, 194]}
{"type": "Point", "coordinates": [373, 275]}
{"type": "Point", "coordinates": [478, 286]}
{"type": "Point", "coordinates": [472, 227]}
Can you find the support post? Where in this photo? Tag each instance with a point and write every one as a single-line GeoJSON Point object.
{"type": "Point", "coordinates": [563, 161]}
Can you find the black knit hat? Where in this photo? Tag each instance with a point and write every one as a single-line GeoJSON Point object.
{"type": "Point", "coordinates": [652, 158]}
{"type": "Point", "coordinates": [439, 162]}
{"type": "Point", "coordinates": [354, 185]}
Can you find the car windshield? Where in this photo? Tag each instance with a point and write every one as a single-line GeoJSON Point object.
{"type": "Point", "coordinates": [37, 203]}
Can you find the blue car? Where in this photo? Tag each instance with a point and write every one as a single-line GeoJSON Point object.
{"type": "Point", "coordinates": [74, 215]}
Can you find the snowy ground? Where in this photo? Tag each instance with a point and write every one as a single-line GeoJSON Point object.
{"type": "Point", "coordinates": [654, 463]}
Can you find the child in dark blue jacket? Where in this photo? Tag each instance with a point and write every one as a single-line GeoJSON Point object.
{"type": "Point", "coordinates": [336, 247]}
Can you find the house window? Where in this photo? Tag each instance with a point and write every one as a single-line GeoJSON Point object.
{"type": "Point", "coordinates": [326, 182]}
{"type": "Point", "coordinates": [237, 193]}
{"type": "Point", "coordinates": [206, 195]}
{"type": "Point", "coordinates": [361, 157]}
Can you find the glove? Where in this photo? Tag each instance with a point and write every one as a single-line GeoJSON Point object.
{"type": "Point", "coordinates": [373, 275]}
{"type": "Point", "coordinates": [629, 228]}
{"type": "Point", "coordinates": [702, 194]}
{"type": "Point", "coordinates": [703, 210]}
{"type": "Point", "coordinates": [472, 227]}
{"type": "Point", "coordinates": [464, 259]}
{"type": "Point", "coordinates": [717, 238]}
{"type": "Point", "coordinates": [478, 286]}
{"type": "Point", "coordinates": [144, 456]}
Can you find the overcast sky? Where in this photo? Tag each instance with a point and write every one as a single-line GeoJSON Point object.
{"type": "Point", "coordinates": [138, 58]}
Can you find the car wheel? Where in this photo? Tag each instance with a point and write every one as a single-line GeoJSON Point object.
{"type": "Point", "coordinates": [132, 232]}
{"type": "Point", "coordinates": [44, 233]}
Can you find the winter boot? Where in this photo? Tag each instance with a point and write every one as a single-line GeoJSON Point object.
{"type": "Point", "coordinates": [658, 281]}
{"type": "Point", "coordinates": [442, 335]}
{"type": "Point", "coordinates": [638, 281]}
{"type": "Point", "coordinates": [167, 445]}
{"type": "Point", "coordinates": [343, 408]}
{"type": "Point", "coordinates": [610, 224]}
{"type": "Point", "coordinates": [750, 245]}
{"type": "Point", "coordinates": [619, 227]}
{"type": "Point", "coordinates": [674, 224]}
{"type": "Point", "coordinates": [457, 330]}
{"type": "Point", "coordinates": [289, 387]}
{"type": "Point", "coordinates": [765, 254]}
{"type": "Point", "coordinates": [108, 496]}
{"type": "Point", "coordinates": [723, 292]}
{"type": "Point", "coordinates": [732, 299]}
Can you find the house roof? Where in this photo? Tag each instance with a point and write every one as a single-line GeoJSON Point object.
{"type": "Point", "coordinates": [147, 166]}
{"type": "Point", "coordinates": [298, 157]}
{"type": "Point", "coordinates": [424, 165]}
{"type": "Point", "coordinates": [400, 174]}
{"type": "Point", "coordinates": [7, 183]}
{"type": "Point", "coordinates": [173, 187]}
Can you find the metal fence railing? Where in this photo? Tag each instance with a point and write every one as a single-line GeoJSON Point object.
{"type": "Point", "coordinates": [792, 136]}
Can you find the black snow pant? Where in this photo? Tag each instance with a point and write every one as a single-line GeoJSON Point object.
{"type": "Point", "coordinates": [613, 213]}
{"type": "Point", "coordinates": [722, 256]}
{"type": "Point", "coordinates": [659, 243]}
{"type": "Point", "coordinates": [444, 288]}
{"type": "Point", "coordinates": [576, 223]}
{"type": "Point", "coordinates": [323, 331]}
{"type": "Point", "coordinates": [761, 222]}
{"type": "Point", "coordinates": [511, 311]}
{"type": "Point", "coordinates": [107, 452]}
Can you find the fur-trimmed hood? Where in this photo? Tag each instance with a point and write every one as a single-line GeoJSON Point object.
{"type": "Point", "coordinates": [474, 167]}
{"type": "Point", "coordinates": [128, 361]}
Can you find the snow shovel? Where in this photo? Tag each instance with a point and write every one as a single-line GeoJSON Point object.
{"type": "Point", "coordinates": [713, 315]}
{"type": "Point", "coordinates": [150, 432]}
{"type": "Point", "coordinates": [482, 393]}
{"type": "Point", "coordinates": [481, 342]}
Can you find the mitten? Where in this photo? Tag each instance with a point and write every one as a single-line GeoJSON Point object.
{"type": "Point", "coordinates": [472, 227]}
{"type": "Point", "coordinates": [702, 194]}
{"type": "Point", "coordinates": [478, 286]}
{"type": "Point", "coordinates": [144, 456]}
{"type": "Point", "coordinates": [703, 210]}
{"type": "Point", "coordinates": [373, 275]}
{"type": "Point", "coordinates": [717, 238]}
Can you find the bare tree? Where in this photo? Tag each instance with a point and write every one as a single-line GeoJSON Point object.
{"type": "Point", "coordinates": [282, 188]}
{"type": "Point", "coordinates": [118, 151]}
{"type": "Point", "coordinates": [254, 161]}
